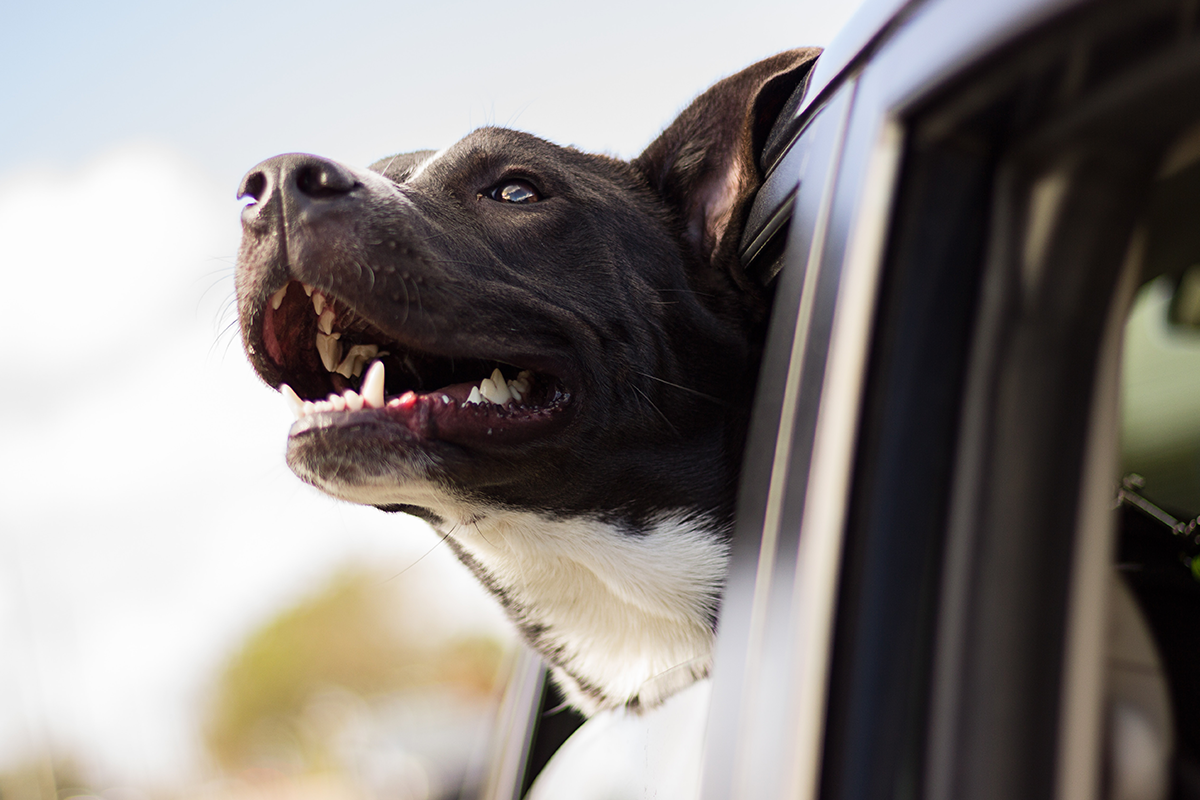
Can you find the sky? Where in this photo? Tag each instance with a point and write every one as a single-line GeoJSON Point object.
{"type": "Point", "coordinates": [147, 521]}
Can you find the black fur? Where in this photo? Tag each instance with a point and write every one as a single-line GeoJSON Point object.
{"type": "Point", "coordinates": [621, 282]}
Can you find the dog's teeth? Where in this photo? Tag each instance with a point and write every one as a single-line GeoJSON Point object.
{"type": "Point", "coordinates": [353, 400]}
{"type": "Point", "coordinates": [520, 386]}
{"type": "Point", "coordinates": [352, 365]}
{"type": "Point", "coordinates": [325, 322]}
{"type": "Point", "coordinates": [318, 301]}
{"type": "Point", "coordinates": [495, 389]}
{"type": "Point", "coordinates": [330, 350]}
{"type": "Point", "coordinates": [293, 400]}
{"type": "Point", "coordinates": [474, 396]}
{"type": "Point", "coordinates": [405, 400]}
{"type": "Point", "coordinates": [488, 389]}
{"type": "Point", "coordinates": [446, 399]}
{"type": "Point", "coordinates": [308, 290]}
{"type": "Point", "coordinates": [277, 298]}
{"type": "Point", "coordinates": [309, 407]}
{"type": "Point", "coordinates": [337, 401]}
{"type": "Point", "coordinates": [372, 386]}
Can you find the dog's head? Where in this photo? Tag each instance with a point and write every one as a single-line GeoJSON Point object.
{"type": "Point", "coordinates": [509, 323]}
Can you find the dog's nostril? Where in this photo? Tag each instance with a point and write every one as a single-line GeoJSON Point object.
{"type": "Point", "coordinates": [323, 180]}
{"type": "Point", "coordinates": [253, 185]}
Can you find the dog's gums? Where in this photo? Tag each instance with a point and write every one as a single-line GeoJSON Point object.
{"type": "Point", "coordinates": [423, 393]}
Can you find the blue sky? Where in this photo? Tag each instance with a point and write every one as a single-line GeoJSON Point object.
{"type": "Point", "coordinates": [149, 522]}
{"type": "Point", "coordinates": [230, 83]}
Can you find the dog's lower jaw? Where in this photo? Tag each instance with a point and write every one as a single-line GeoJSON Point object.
{"type": "Point", "coordinates": [624, 616]}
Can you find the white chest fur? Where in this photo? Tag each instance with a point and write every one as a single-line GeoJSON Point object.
{"type": "Point", "coordinates": [626, 615]}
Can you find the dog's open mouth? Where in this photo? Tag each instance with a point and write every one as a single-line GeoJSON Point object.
{"type": "Point", "coordinates": [339, 369]}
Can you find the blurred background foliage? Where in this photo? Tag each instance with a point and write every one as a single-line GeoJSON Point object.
{"type": "Point", "coordinates": [358, 691]}
{"type": "Point", "coordinates": [355, 635]}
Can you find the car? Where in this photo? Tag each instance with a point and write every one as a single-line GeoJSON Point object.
{"type": "Point", "coordinates": [963, 562]}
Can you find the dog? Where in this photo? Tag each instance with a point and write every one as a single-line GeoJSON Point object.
{"type": "Point", "coordinates": [548, 355]}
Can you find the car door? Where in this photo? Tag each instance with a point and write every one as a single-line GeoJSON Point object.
{"type": "Point", "coordinates": [922, 599]}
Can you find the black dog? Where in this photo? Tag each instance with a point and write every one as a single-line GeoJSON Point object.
{"type": "Point", "coordinates": [548, 355]}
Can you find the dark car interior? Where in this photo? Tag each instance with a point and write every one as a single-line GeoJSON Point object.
{"type": "Point", "coordinates": [1044, 193]}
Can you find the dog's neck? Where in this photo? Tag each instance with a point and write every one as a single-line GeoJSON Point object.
{"type": "Point", "coordinates": [626, 615]}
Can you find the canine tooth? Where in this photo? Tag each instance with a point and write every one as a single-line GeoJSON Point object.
{"type": "Point", "coordinates": [308, 290]}
{"type": "Point", "coordinates": [495, 389]}
{"type": "Point", "coordinates": [330, 350]}
{"type": "Point", "coordinates": [318, 301]}
{"type": "Point", "coordinates": [353, 400]}
{"type": "Point", "coordinates": [325, 322]}
{"type": "Point", "coordinates": [474, 396]}
{"type": "Point", "coordinates": [372, 386]}
{"type": "Point", "coordinates": [487, 388]}
{"type": "Point", "coordinates": [293, 400]}
{"type": "Point", "coordinates": [277, 298]}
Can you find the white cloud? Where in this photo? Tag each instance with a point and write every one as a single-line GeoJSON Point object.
{"type": "Point", "coordinates": [149, 521]}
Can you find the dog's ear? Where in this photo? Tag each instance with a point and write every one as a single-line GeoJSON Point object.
{"type": "Point", "coordinates": [705, 164]}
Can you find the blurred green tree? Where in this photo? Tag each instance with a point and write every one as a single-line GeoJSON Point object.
{"type": "Point", "coordinates": [361, 634]}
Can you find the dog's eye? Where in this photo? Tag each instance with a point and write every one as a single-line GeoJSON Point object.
{"type": "Point", "coordinates": [514, 191]}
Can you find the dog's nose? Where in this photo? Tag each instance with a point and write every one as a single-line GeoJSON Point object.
{"type": "Point", "coordinates": [297, 181]}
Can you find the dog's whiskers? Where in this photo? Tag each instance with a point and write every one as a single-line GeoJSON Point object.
{"type": "Point", "coordinates": [229, 340]}
{"type": "Point", "coordinates": [462, 263]}
{"type": "Point", "coordinates": [441, 540]}
{"type": "Point", "coordinates": [658, 410]}
{"type": "Point", "coordinates": [690, 663]}
{"type": "Point", "coordinates": [420, 308]}
{"type": "Point", "coordinates": [708, 397]}
{"type": "Point", "coordinates": [388, 165]}
{"type": "Point", "coordinates": [225, 329]}
{"type": "Point", "coordinates": [407, 300]}
{"type": "Point", "coordinates": [366, 269]}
